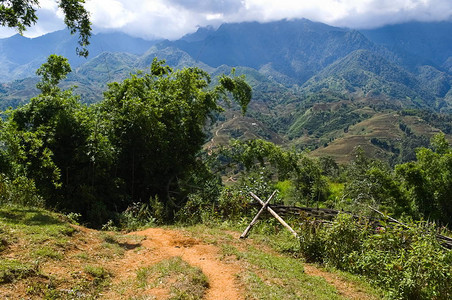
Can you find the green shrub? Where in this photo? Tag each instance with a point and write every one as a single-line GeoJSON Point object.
{"type": "Point", "coordinates": [232, 203]}
{"type": "Point", "coordinates": [342, 239]}
{"type": "Point", "coordinates": [20, 191]}
{"type": "Point", "coordinates": [312, 241]}
{"type": "Point", "coordinates": [137, 215]}
{"type": "Point", "coordinates": [408, 263]}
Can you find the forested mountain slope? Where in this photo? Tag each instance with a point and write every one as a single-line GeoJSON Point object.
{"type": "Point", "coordinates": [311, 82]}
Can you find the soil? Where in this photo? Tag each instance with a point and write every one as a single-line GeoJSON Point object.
{"type": "Point", "coordinates": [160, 244]}
{"type": "Point", "coordinates": [142, 249]}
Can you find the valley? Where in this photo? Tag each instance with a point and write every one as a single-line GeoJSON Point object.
{"type": "Point", "coordinates": [311, 82]}
{"type": "Point", "coordinates": [129, 174]}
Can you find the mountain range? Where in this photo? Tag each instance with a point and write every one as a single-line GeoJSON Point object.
{"type": "Point", "coordinates": [316, 86]}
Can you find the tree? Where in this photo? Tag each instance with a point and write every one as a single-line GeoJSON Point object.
{"type": "Point", "coordinates": [53, 141]}
{"type": "Point", "coordinates": [21, 14]}
{"type": "Point", "coordinates": [372, 182]}
{"type": "Point", "coordinates": [52, 72]}
{"type": "Point", "coordinates": [155, 122]}
{"type": "Point", "coordinates": [52, 120]}
{"type": "Point", "coordinates": [428, 180]}
{"type": "Point", "coordinates": [142, 141]}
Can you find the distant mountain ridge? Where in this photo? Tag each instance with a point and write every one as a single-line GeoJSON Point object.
{"type": "Point", "coordinates": [430, 43]}
{"type": "Point", "coordinates": [298, 49]}
{"type": "Point", "coordinates": [21, 56]}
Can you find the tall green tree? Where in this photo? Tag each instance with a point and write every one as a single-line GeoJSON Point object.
{"type": "Point", "coordinates": [47, 140]}
{"type": "Point", "coordinates": [428, 181]}
{"type": "Point", "coordinates": [142, 141]}
{"type": "Point", "coordinates": [21, 14]}
{"type": "Point", "coordinates": [156, 124]}
{"type": "Point", "coordinates": [372, 182]}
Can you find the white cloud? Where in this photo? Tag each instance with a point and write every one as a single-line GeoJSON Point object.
{"type": "Point", "coordinates": [352, 13]}
{"type": "Point", "coordinates": [173, 18]}
{"type": "Point", "coordinates": [110, 13]}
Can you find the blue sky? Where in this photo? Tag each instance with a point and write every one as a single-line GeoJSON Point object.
{"type": "Point", "coordinates": [172, 19]}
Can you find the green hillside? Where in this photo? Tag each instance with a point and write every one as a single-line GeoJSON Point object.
{"type": "Point", "coordinates": [167, 146]}
{"type": "Point", "coordinates": [311, 82]}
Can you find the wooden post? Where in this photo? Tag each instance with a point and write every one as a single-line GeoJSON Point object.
{"type": "Point", "coordinates": [264, 206]}
{"type": "Point", "coordinates": [275, 215]}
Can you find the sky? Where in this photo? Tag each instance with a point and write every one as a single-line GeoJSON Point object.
{"type": "Point", "coordinates": [171, 19]}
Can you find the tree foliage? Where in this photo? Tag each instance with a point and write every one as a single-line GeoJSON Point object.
{"type": "Point", "coordinates": [262, 157]}
{"type": "Point", "coordinates": [428, 181]}
{"type": "Point", "coordinates": [21, 14]}
{"type": "Point", "coordinates": [143, 141]}
{"type": "Point", "coordinates": [52, 72]}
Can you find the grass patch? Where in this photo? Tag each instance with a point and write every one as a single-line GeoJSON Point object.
{"type": "Point", "coordinates": [82, 255]}
{"type": "Point", "coordinates": [35, 235]}
{"type": "Point", "coordinates": [271, 264]}
{"type": "Point", "coordinates": [362, 283]}
{"type": "Point", "coordinates": [117, 244]}
{"type": "Point", "coordinates": [271, 276]}
{"type": "Point", "coordinates": [47, 252]}
{"type": "Point", "coordinates": [38, 224]}
{"type": "Point", "coordinates": [96, 271]}
{"type": "Point", "coordinates": [184, 281]}
{"type": "Point", "coordinates": [11, 270]}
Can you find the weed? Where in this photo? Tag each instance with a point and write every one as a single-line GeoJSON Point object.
{"type": "Point", "coordinates": [47, 252]}
{"type": "Point", "coordinates": [82, 255]}
{"type": "Point", "coordinates": [109, 238]}
{"type": "Point", "coordinates": [97, 272]}
{"type": "Point", "coordinates": [4, 239]}
{"type": "Point", "coordinates": [109, 226]}
{"type": "Point", "coordinates": [11, 270]}
{"type": "Point", "coordinates": [74, 217]}
{"type": "Point", "coordinates": [140, 215]}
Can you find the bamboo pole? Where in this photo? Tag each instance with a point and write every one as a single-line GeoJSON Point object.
{"type": "Point", "coordinates": [275, 215]}
{"type": "Point", "coordinates": [445, 241]}
{"type": "Point", "coordinates": [389, 218]}
{"type": "Point", "coordinates": [264, 206]}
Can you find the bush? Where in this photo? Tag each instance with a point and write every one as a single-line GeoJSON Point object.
{"type": "Point", "coordinates": [138, 215]}
{"type": "Point", "coordinates": [312, 241]}
{"type": "Point", "coordinates": [407, 263]}
{"type": "Point", "coordinates": [20, 191]}
{"type": "Point", "coordinates": [342, 239]}
{"type": "Point", "coordinates": [232, 203]}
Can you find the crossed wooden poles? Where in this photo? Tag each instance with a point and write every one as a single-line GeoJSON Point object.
{"type": "Point", "coordinates": [266, 207]}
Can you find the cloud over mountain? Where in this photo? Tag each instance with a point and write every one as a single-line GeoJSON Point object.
{"type": "Point", "coordinates": [173, 18]}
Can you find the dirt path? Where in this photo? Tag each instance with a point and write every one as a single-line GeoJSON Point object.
{"type": "Point", "coordinates": [160, 244]}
